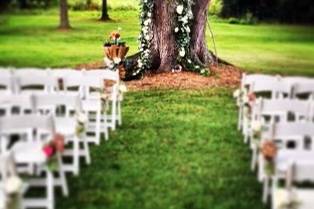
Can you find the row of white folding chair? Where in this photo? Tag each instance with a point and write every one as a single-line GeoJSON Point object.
{"type": "Point", "coordinates": [73, 81]}
{"type": "Point", "coordinates": [275, 86]}
{"type": "Point", "coordinates": [30, 152]}
{"type": "Point", "coordinates": [65, 124]}
{"type": "Point", "coordinates": [288, 136]}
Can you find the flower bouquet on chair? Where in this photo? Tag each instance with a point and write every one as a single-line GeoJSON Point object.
{"type": "Point", "coordinates": [115, 50]}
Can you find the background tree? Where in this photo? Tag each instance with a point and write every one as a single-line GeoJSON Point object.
{"type": "Point", "coordinates": [104, 11]}
{"type": "Point", "coordinates": [64, 17]}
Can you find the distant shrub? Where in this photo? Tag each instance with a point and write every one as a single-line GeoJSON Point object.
{"type": "Point", "coordinates": [215, 7]}
{"type": "Point", "coordinates": [248, 19]}
{"type": "Point", "coordinates": [81, 5]}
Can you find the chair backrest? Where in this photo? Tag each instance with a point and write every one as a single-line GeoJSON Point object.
{"type": "Point", "coordinates": [275, 87]}
{"type": "Point", "coordinates": [305, 88]}
{"type": "Point", "coordinates": [281, 108]}
{"type": "Point", "coordinates": [58, 104]}
{"type": "Point", "coordinates": [72, 81]}
{"type": "Point", "coordinates": [16, 104]}
{"type": "Point", "coordinates": [104, 74]}
{"type": "Point", "coordinates": [248, 80]}
{"type": "Point", "coordinates": [26, 126]}
{"type": "Point", "coordinates": [291, 135]}
{"type": "Point", "coordinates": [35, 80]}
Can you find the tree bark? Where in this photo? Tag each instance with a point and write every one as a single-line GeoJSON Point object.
{"type": "Point", "coordinates": [104, 11]}
{"type": "Point", "coordinates": [164, 47]}
{"type": "Point", "coordinates": [64, 17]}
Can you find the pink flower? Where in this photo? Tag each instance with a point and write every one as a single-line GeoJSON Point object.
{"type": "Point", "coordinates": [49, 151]}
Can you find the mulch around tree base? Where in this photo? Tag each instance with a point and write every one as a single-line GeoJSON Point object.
{"type": "Point", "coordinates": [222, 76]}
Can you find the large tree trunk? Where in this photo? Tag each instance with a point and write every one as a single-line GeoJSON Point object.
{"type": "Point", "coordinates": [104, 11]}
{"type": "Point", "coordinates": [64, 17]}
{"type": "Point", "coordinates": [164, 48]}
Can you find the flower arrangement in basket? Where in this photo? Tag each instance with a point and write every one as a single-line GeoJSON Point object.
{"type": "Point", "coordinates": [115, 50]}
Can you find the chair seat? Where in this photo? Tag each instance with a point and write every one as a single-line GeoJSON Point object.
{"type": "Point", "coordinates": [29, 152]}
{"type": "Point", "coordinates": [91, 105]}
{"type": "Point", "coordinates": [65, 126]}
{"type": "Point", "coordinates": [285, 158]}
{"type": "Point", "coordinates": [302, 197]}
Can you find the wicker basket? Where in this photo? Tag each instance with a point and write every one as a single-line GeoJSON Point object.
{"type": "Point", "coordinates": [115, 51]}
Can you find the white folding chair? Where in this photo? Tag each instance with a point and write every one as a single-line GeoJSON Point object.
{"type": "Point", "coordinates": [66, 109]}
{"type": "Point", "coordinates": [298, 168]}
{"type": "Point", "coordinates": [92, 105]}
{"type": "Point", "coordinates": [247, 82]}
{"type": "Point", "coordinates": [112, 94]}
{"type": "Point", "coordinates": [30, 152]}
{"type": "Point", "coordinates": [288, 136]}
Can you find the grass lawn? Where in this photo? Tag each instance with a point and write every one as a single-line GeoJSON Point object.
{"type": "Point", "coordinates": [32, 40]}
{"type": "Point", "coordinates": [175, 149]}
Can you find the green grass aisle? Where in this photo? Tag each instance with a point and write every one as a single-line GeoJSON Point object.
{"type": "Point", "coordinates": [176, 149]}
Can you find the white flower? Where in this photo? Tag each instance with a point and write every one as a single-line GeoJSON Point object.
{"type": "Point", "coordinates": [139, 63]}
{"type": "Point", "coordinates": [236, 93]}
{"type": "Point", "coordinates": [197, 67]}
{"type": "Point", "coordinates": [117, 60]}
{"type": "Point", "coordinates": [256, 126]}
{"type": "Point", "coordinates": [202, 71]}
{"type": "Point", "coordinates": [82, 118]}
{"type": "Point", "coordinates": [185, 19]}
{"type": "Point", "coordinates": [147, 37]}
{"type": "Point", "coordinates": [187, 28]}
{"type": "Point", "coordinates": [147, 22]}
{"type": "Point", "coordinates": [123, 88]}
{"type": "Point", "coordinates": [182, 52]}
{"type": "Point", "coordinates": [180, 9]}
{"type": "Point", "coordinates": [145, 1]}
{"type": "Point", "coordinates": [176, 29]}
{"type": "Point", "coordinates": [149, 14]}
{"type": "Point", "coordinates": [13, 185]}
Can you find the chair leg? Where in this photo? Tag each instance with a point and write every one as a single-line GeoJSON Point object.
{"type": "Point", "coordinates": [254, 159]}
{"type": "Point", "coordinates": [119, 114]}
{"type": "Point", "coordinates": [265, 190]}
{"type": "Point", "coordinates": [98, 127]}
{"type": "Point", "coordinates": [86, 151]}
{"type": "Point", "coordinates": [114, 114]}
{"type": "Point", "coordinates": [76, 156]}
{"type": "Point", "coordinates": [240, 118]}
{"type": "Point", "coordinates": [50, 190]}
{"type": "Point", "coordinates": [64, 184]}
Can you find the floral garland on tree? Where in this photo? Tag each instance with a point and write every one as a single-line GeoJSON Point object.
{"type": "Point", "coordinates": [146, 35]}
{"type": "Point", "coordinates": [183, 35]}
{"type": "Point", "coordinates": [182, 32]}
